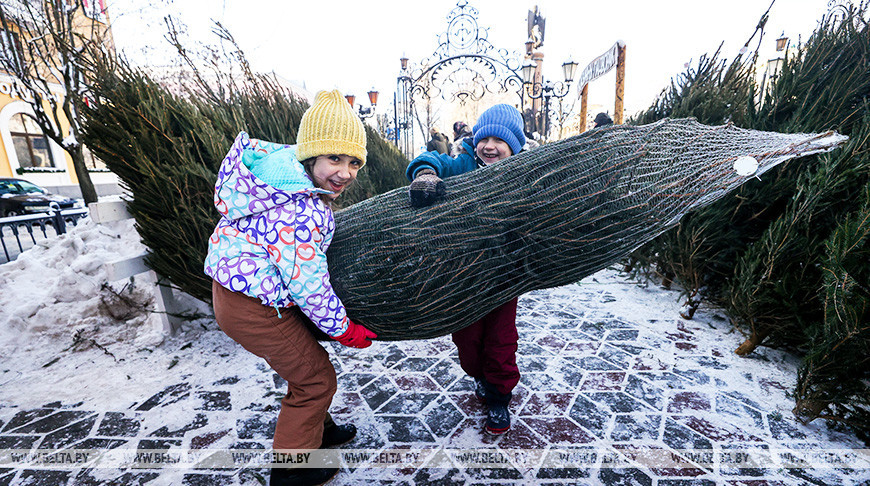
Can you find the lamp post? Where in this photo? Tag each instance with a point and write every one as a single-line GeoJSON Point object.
{"type": "Point", "coordinates": [365, 112]}
{"type": "Point", "coordinates": [545, 90]}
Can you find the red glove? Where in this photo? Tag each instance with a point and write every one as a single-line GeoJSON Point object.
{"type": "Point", "coordinates": [356, 336]}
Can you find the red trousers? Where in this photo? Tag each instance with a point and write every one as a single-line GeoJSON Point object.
{"type": "Point", "coordinates": [293, 352]}
{"type": "Point", "coordinates": [488, 348]}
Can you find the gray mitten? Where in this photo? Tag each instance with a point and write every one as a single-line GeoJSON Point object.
{"type": "Point", "coordinates": [426, 188]}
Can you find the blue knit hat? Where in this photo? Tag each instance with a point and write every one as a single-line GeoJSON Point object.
{"type": "Point", "coordinates": [502, 121]}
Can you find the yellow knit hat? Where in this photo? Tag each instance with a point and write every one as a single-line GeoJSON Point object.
{"type": "Point", "coordinates": [330, 126]}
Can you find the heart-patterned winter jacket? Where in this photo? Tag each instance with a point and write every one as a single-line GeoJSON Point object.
{"type": "Point", "coordinates": [273, 234]}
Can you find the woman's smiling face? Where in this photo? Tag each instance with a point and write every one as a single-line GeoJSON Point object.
{"type": "Point", "coordinates": [334, 172]}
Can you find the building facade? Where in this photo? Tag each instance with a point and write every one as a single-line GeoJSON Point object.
{"type": "Point", "coordinates": [25, 152]}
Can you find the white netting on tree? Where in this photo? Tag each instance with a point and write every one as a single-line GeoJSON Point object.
{"type": "Point", "coordinates": [540, 219]}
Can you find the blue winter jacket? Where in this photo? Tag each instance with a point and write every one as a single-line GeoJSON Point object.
{"type": "Point", "coordinates": [443, 164]}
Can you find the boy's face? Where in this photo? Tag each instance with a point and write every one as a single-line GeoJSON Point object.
{"type": "Point", "coordinates": [492, 149]}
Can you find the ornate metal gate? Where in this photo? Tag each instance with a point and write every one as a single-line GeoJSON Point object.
{"type": "Point", "coordinates": [464, 68]}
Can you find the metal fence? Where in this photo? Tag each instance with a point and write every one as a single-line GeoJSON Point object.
{"type": "Point", "coordinates": [20, 233]}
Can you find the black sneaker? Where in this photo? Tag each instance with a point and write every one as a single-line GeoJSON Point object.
{"type": "Point", "coordinates": [334, 435]}
{"type": "Point", "coordinates": [301, 476]}
{"type": "Point", "coordinates": [498, 419]}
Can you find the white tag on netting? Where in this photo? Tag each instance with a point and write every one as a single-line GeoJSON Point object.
{"type": "Point", "coordinates": [745, 166]}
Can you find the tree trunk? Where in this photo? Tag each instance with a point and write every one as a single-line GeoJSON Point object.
{"type": "Point", "coordinates": [89, 193]}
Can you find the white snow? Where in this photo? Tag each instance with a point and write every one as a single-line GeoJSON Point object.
{"type": "Point", "coordinates": [63, 338]}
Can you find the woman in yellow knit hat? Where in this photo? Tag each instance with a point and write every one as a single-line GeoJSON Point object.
{"type": "Point", "coordinates": [267, 259]}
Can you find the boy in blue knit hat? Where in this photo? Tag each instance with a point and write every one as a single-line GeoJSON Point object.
{"type": "Point", "coordinates": [487, 348]}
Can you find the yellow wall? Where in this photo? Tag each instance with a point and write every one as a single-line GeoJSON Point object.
{"type": "Point", "coordinates": [5, 167]}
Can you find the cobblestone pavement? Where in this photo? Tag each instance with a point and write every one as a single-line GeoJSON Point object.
{"type": "Point", "coordinates": [603, 395]}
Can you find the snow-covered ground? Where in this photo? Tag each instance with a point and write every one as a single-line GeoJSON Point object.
{"type": "Point", "coordinates": [607, 365]}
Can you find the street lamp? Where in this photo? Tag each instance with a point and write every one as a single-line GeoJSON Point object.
{"type": "Point", "coordinates": [365, 112]}
{"type": "Point", "coordinates": [782, 42]}
{"type": "Point", "coordinates": [546, 89]}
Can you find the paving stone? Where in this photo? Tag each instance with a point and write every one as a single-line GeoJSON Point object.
{"type": "Point", "coordinates": [499, 474]}
{"type": "Point", "coordinates": [547, 404]}
{"type": "Point", "coordinates": [279, 383]}
{"type": "Point", "coordinates": [636, 427]}
{"type": "Point", "coordinates": [199, 421]}
{"type": "Point", "coordinates": [256, 427]}
{"type": "Point", "coordinates": [67, 435]}
{"type": "Point", "coordinates": [445, 372]}
{"type": "Point", "coordinates": [439, 477]}
{"type": "Point", "coordinates": [98, 443]}
{"type": "Point", "coordinates": [558, 430]}
{"type": "Point", "coordinates": [595, 330]}
{"type": "Point", "coordinates": [645, 391]}
{"type": "Point", "coordinates": [686, 482]}
{"type": "Point", "coordinates": [404, 429]}
{"type": "Point", "coordinates": [378, 392]}
{"type": "Point", "coordinates": [158, 444]}
{"type": "Point", "coordinates": [521, 437]}
{"type": "Point", "coordinates": [170, 394]}
{"type": "Point", "coordinates": [48, 423]}
{"type": "Point", "coordinates": [622, 335]}
{"type": "Point", "coordinates": [415, 382]}
{"type": "Point", "coordinates": [203, 441]}
{"type": "Point", "coordinates": [541, 382]}
{"type": "Point", "coordinates": [624, 477]}
{"type": "Point", "coordinates": [407, 403]}
{"type": "Point", "coordinates": [443, 417]}
{"type": "Point", "coordinates": [720, 433]}
{"type": "Point", "coordinates": [581, 347]}
{"type": "Point", "coordinates": [213, 400]}
{"type": "Point", "coordinates": [592, 417]}
{"type": "Point", "coordinates": [619, 402]}
{"type": "Point", "coordinates": [619, 358]}
{"type": "Point", "coordinates": [231, 380]}
{"type": "Point", "coordinates": [688, 401]}
{"type": "Point", "coordinates": [354, 381]}
{"type": "Point", "coordinates": [551, 343]}
{"type": "Point", "coordinates": [117, 424]}
{"type": "Point", "coordinates": [784, 428]}
{"type": "Point", "coordinates": [42, 477]}
{"type": "Point", "coordinates": [89, 477]}
{"type": "Point", "coordinates": [602, 381]}
{"type": "Point", "coordinates": [207, 480]}
{"type": "Point", "coordinates": [18, 441]}
{"type": "Point", "coordinates": [680, 437]}
{"type": "Point", "coordinates": [25, 417]}
{"type": "Point", "coordinates": [528, 364]}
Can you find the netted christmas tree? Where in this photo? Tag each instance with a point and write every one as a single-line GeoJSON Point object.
{"type": "Point", "coordinates": [166, 148]}
{"type": "Point", "coordinates": [784, 255]}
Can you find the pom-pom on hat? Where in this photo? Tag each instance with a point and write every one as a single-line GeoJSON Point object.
{"type": "Point", "coordinates": [330, 126]}
{"type": "Point", "coordinates": [502, 121]}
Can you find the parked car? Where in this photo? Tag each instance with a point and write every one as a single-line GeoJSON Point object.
{"type": "Point", "coordinates": [19, 197]}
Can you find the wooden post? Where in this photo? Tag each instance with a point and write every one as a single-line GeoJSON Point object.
{"type": "Point", "coordinates": [584, 98]}
{"type": "Point", "coordinates": [620, 86]}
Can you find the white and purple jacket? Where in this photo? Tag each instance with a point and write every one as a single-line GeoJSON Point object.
{"type": "Point", "coordinates": [271, 241]}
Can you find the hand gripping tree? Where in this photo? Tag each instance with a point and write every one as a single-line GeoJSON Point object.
{"type": "Point", "coordinates": [45, 48]}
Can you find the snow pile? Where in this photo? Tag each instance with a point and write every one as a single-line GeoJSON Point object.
{"type": "Point", "coordinates": [58, 291]}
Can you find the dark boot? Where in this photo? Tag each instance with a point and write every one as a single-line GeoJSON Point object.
{"type": "Point", "coordinates": [498, 419]}
{"type": "Point", "coordinates": [301, 476]}
{"type": "Point", "coordinates": [334, 434]}
{"type": "Point", "coordinates": [480, 389]}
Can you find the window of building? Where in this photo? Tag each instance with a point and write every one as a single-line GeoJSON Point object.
{"type": "Point", "coordinates": [9, 44]}
{"type": "Point", "coordinates": [31, 145]}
